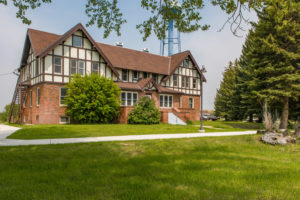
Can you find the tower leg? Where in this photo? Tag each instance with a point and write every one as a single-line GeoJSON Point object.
{"type": "Point", "coordinates": [179, 41]}
{"type": "Point", "coordinates": [170, 39]}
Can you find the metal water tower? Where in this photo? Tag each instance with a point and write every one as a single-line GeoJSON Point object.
{"type": "Point", "coordinates": [172, 39]}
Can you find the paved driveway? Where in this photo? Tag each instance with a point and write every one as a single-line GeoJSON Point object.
{"type": "Point", "coordinates": [7, 130]}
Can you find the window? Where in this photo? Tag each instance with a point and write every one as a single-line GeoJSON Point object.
{"type": "Point", "coordinates": [185, 81]}
{"type": "Point", "coordinates": [37, 96]}
{"type": "Point", "coordinates": [81, 67]}
{"type": "Point", "coordinates": [135, 76]}
{"type": "Point", "coordinates": [124, 74]}
{"type": "Point", "coordinates": [145, 75]}
{"type": "Point", "coordinates": [154, 77]}
{"type": "Point", "coordinates": [73, 64]}
{"type": "Point", "coordinates": [166, 101]}
{"type": "Point", "coordinates": [95, 67]}
{"type": "Point", "coordinates": [185, 63]}
{"type": "Point", "coordinates": [194, 83]}
{"type": "Point", "coordinates": [77, 41]}
{"type": "Point", "coordinates": [62, 95]}
{"type": "Point", "coordinates": [64, 120]}
{"type": "Point", "coordinates": [191, 102]}
{"type": "Point", "coordinates": [57, 65]}
{"type": "Point", "coordinates": [175, 80]}
{"type": "Point", "coordinates": [24, 103]}
{"type": "Point", "coordinates": [30, 98]}
{"type": "Point", "coordinates": [128, 98]}
{"type": "Point", "coordinates": [37, 67]}
{"type": "Point", "coordinates": [180, 102]}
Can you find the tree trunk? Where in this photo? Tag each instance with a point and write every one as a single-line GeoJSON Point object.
{"type": "Point", "coordinates": [285, 114]}
{"type": "Point", "coordinates": [251, 117]}
{"type": "Point", "coordinates": [297, 128]}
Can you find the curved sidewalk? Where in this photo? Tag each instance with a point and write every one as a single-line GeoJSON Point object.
{"type": "Point", "coordinates": [7, 130]}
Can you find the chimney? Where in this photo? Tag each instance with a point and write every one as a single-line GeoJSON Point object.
{"type": "Point", "coordinates": [146, 50]}
{"type": "Point", "coordinates": [119, 44]}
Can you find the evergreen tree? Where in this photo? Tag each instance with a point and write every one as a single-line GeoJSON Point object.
{"type": "Point", "coordinates": [224, 97]}
{"type": "Point", "coordinates": [271, 57]}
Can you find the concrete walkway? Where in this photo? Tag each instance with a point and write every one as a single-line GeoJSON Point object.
{"type": "Point", "coordinates": [7, 130]}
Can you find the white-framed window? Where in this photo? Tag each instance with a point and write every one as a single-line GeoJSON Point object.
{"type": "Point", "coordinates": [124, 75]}
{"type": "Point", "coordinates": [154, 77]}
{"type": "Point", "coordinates": [145, 75]}
{"type": "Point", "coordinates": [185, 63]}
{"type": "Point", "coordinates": [180, 102]}
{"type": "Point", "coordinates": [175, 80]}
{"type": "Point", "coordinates": [185, 81]}
{"type": "Point", "coordinates": [37, 67]}
{"type": "Point", "coordinates": [73, 66]}
{"type": "Point", "coordinates": [129, 98]}
{"type": "Point", "coordinates": [62, 95]}
{"type": "Point", "coordinates": [165, 101]}
{"type": "Point", "coordinates": [24, 118]}
{"type": "Point", "coordinates": [30, 98]}
{"type": "Point", "coordinates": [81, 67]}
{"type": "Point", "coordinates": [24, 103]}
{"type": "Point", "coordinates": [194, 83]}
{"type": "Point", "coordinates": [64, 119]}
{"type": "Point", "coordinates": [95, 67]}
{"type": "Point", "coordinates": [57, 65]}
{"type": "Point", "coordinates": [191, 102]}
{"type": "Point", "coordinates": [135, 75]}
{"type": "Point", "coordinates": [77, 41]}
{"type": "Point", "coordinates": [38, 96]}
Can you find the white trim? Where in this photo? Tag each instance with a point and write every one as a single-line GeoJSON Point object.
{"type": "Point", "coordinates": [60, 104]}
{"type": "Point", "coordinates": [192, 103]}
{"type": "Point", "coordinates": [164, 100]}
{"type": "Point", "coordinates": [68, 120]}
{"type": "Point", "coordinates": [137, 98]}
{"type": "Point", "coordinates": [55, 64]}
{"type": "Point", "coordinates": [30, 98]}
{"type": "Point", "coordinates": [38, 97]}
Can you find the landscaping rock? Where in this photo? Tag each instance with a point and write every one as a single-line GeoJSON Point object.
{"type": "Point", "coordinates": [277, 138]}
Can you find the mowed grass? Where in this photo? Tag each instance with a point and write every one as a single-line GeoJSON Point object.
{"type": "Point", "coordinates": [239, 167]}
{"type": "Point", "coordinates": [75, 131]}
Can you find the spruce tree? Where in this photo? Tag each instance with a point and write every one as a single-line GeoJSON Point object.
{"type": "Point", "coordinates": [271, 56]}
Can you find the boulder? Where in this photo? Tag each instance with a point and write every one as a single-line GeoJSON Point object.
{"type": "Point", "coordinates": [277, 138]}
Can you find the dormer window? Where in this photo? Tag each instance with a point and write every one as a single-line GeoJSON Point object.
{"type": "Point", "coordinates": [135, 76]}
{"type": "Point", "coordinates": [154, 77]}
{"type": "Point", "coordinates": [145, 75]}
{"type": "Point", "coordinates": [77, 41]}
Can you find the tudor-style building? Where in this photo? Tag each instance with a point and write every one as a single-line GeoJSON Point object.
{"type": "Point", "coordinates": [49, 61]}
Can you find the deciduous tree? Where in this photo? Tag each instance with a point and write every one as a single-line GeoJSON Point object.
{"type": "Point", "coordinates": [92, 99]}
{"type": "Point", "coordinates": [107, 15]}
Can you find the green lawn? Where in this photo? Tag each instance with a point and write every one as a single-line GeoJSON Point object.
{"type": "Point", "coordinates": [239, 167]}
{"type": "Point", "coordinates": [72, 131]}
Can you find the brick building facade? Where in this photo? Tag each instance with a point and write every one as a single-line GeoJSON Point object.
{"type": "Point", "coordinates": [50, 60]}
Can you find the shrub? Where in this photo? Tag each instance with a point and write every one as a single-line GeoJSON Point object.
{"type": "Point", "coordinates": [144, 112]}
{"type": "Point", "coordinates": [92, 99]}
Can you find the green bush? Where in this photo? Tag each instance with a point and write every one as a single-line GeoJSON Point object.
{"type": "Point", "coordinates": [92, 99]}
{"type": "Point", "coordinates": [4, 115]}
{"type": "Point", "coordinates": [144, 112]}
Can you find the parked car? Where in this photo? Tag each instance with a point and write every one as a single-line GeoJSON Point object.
{"type": "Point", "coordinates": [209, 117]}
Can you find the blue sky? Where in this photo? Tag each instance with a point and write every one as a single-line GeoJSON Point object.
{"type": "Point", "coordinates": [210, 48]}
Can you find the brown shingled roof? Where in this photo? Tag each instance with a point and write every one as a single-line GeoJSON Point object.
{"type": "Point", "coordinates": [140, 86]}
{"type": "Point", "coordinates": [115, 56]}
{"type": "Point", "coordinates": [135, 60]}
{"type": "Point", "coordinates": [40, 40]}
